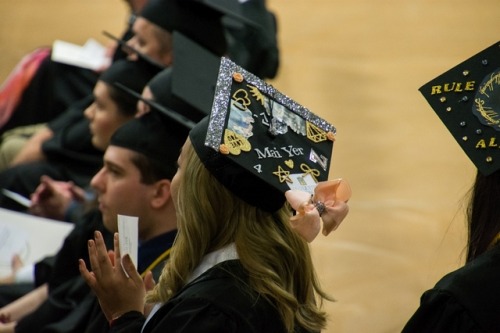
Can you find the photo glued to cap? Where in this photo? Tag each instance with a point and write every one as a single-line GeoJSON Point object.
{"type": "Point", "coordinates": [260, 143]}
{"type": "Point", "coordinates": [467, 100]}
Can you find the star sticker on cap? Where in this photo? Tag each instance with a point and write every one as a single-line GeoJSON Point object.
{"type": "Point", "coordinates": [283, 175]}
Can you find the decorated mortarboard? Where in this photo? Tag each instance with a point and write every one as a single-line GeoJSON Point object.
{"type": "Point", "coordinates": [259, 143]}
{"type": "Point", "coordinates": [467, 100]}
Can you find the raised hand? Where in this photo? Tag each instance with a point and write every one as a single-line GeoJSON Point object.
{"type": "Point", "coordinates": [117, 293]}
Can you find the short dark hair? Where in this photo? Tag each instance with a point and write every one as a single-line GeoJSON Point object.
{"type": "Point", "coordinates": [152, 170]}
{"type": "Point", "coordinates": [127, 105]}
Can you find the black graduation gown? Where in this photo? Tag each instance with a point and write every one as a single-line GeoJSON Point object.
{"type": "Point", "coordinates": [53, 88]}
{"type": "Point", "coordinates": [466, 300]}
{"type": "Point", "coordinates": [219, 301]}
{"type": "Point", "coordinates": [69, 154]}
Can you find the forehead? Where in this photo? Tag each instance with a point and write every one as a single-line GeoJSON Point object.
{"type": "Point", "coordinates": [141, 26]}
{"type": "Point", "coordinates": [101, 90]}
{"type": "Point", "coordinates": [121, 157]}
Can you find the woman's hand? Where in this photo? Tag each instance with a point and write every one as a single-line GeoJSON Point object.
{"type": "Point", "coordinates": [117, 293]}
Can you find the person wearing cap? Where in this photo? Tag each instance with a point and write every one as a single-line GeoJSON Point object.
{"type": "Point", "coordinates": [136, 163]}
{"type": "Point", "coordinates": [151, 37]}
{"type": "Point", "coordinates": [64, 299]}
{"type": "Point", "coordinates": [71, 154]}
{"type": "Point", "coordinates": [466, 99]}
{"type": "Point", "coordinates": [240, 262]}
{"type": "Point", "coordinates": [63, 200]}
{"type": "Point", "coordinates": [110, 109]}
{"type": "Point", "coordinates": [197, 20]}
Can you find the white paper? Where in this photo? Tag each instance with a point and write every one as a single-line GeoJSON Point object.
{"type": "Point", "coordinates": [92, 55]}
{"type": "Point", "coordinates": [302, 182]}
{"type": "Point", "coordinates": [128, 231]}
{"type": "Point", "coordinates": [13, 240]}
{"type": "Point", "coordinates": [30, 237]}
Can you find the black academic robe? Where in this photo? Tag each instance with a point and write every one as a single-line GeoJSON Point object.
{"type": "Point", "coordinates": [53, 88]}
{"type": "Point", "coordinates": [218, 301]}
{"type": "Point", "coordinates": [466, 300]}
{"type": "Point", "coordinates": [69, 154]}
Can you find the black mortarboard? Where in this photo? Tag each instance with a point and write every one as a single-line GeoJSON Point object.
{"type": "Point", "coordinates": [133, 74]}
{"type": "Point", "coordinates": [260, 143]}
{"type": "Point", "coordinates": [198, 21]}
{"type": "Point", "coordinates": [467, 100]}
{"type": "Point", "coordinates": [195, 73]}
{"type": "Point", "coordinates": [149, 135]}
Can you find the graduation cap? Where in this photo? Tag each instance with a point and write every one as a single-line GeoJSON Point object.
{"type": "Point", "coordinates": [154, 136]}
{"type": "Point", "coordinates": [132, 74]}
{"type": "Point", "coordinates": [259, 143]}
{"type": "Point", "coordinates": [192, 18]}
{"type": "Point", "coordinates": [184, 92]}
{"type": "Point", "coordinates": [467, 100]}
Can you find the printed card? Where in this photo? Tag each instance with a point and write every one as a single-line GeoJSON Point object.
{"type": "Point", "coordinates": [128, 230]}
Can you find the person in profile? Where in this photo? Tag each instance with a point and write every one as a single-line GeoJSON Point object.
{"type": "Point", "coordinates": [466, 98]}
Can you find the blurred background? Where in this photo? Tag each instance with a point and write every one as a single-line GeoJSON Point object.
{"type": "Point", "coordinates": [358, 64]}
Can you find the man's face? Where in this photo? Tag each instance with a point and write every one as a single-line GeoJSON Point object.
{"type": "Point", "coordinates": [120, 191]}
{"type": "Point", "coordinates": [152, 41]}
{"type": "Point", "coordinates": [104, 116]}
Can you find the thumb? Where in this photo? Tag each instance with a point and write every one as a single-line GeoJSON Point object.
{"type": "Point", "coordinates": [129, 269]}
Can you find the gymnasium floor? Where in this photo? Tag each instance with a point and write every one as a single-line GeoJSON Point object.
{"type": "Point", "coordinates": [359, 64]}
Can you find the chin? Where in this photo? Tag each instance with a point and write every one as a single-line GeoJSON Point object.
{"type": "Point", "coordinates": [98, 144]}
{"type": "Point", "coordinates": [110, 224]}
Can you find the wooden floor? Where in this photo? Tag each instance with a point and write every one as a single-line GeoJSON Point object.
{"type": "Point", "coordinates": [359, 64]}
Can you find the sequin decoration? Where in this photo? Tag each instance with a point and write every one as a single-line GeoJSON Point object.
{"type": "Point", "coordinates": [223, 96]}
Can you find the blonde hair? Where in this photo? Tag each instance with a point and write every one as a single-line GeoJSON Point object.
{"type": "Point", "coordinates": [277, 260]}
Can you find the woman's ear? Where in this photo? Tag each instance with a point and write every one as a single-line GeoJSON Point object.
{"type": "Point", "coordinates": [161, 194]}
